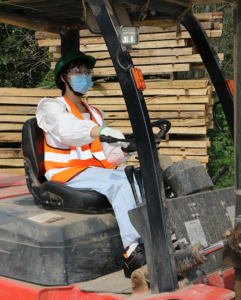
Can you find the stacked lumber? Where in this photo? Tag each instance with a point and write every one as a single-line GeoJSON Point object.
{"type": "Point", "coordinates": [158, 52]}
{"type": "Point", "coordinates": [186, 103]}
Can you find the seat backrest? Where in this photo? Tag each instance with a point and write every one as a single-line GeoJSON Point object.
{"type": "Point", "coordinates": [33, 147]}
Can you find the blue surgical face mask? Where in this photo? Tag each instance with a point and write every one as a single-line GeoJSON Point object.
{"type": "Point", "coordinates": [81, 83]}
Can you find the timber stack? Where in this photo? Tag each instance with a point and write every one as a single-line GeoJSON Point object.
{"type": "Point", "coordinates": [187, 103]}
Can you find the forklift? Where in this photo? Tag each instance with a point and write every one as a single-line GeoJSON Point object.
{"type": "Point", "coordinates": [49, 239]}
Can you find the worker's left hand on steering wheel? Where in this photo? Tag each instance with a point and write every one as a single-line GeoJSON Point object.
{"type": "Point", "coordinates": [115, 134]}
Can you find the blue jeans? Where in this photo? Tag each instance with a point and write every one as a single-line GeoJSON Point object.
{"type": "Point", "coordinates": [115, 186]}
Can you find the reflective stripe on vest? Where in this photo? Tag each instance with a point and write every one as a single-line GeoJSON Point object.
{"type": "Point", "coordinates": [63, 164]}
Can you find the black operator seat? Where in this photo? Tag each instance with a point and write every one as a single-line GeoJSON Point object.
{"type": "Point", "coordinates": [53, 194]}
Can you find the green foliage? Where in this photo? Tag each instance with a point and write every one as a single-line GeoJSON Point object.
{"type": "Point", "coordinates": [222, 148]}
{"type": "Point", "coordinates": [221, 152]}
{"type": "Point", "coordinates": [22, 63]}
{"type": "Point", "coordinates": [48, 80]}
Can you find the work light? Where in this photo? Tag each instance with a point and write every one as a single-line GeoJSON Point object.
{"type": "Point", "coordinates": [129, 35]}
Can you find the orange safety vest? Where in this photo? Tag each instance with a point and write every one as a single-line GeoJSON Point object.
{"type": "Point", "coordinates": [63, 164]}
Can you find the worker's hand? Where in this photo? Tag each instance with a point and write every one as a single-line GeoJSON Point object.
{"type": "Point", "coordinates": [115, 134]}
{"type": "Point", "coordinates": [130, 153]}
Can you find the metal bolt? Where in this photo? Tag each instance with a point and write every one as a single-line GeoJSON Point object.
{"type": "Point", "coordinates": [32, 185]}
{"type": "Point", "coordinates": [194, 204]}
{"type": "Point", "coordinates": [227, 214]}
{"type": "Point", "coordinates": [199, 273]}
{"type": "Point", "coordinates": [193, 215]}
{"type": "Point", "coordinates": [228, 233]}
{"type": "Point", "coordinates": [239, 245]}
{"type": "Point", "coordinates": [59, 203]}
{"type": "Point", "coordinates": [205, 280]}
{"type": "Point", "coordinates": [197, 215]}
{"type": "Point", "coordinates": [47, 202]}
{"type": "Point", "coordinates": [153, 12]}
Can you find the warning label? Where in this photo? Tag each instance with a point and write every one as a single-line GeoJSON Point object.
{"type": "Point", "coordinates": [44, 217]}
{"type": "Point", "coordinates": [195, 232]}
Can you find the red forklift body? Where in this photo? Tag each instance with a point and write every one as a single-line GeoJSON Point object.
{"type": "Point", "coordinates": [13, 289]}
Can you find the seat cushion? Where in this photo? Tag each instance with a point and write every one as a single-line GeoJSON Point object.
{"type": "Point", "coordinates": [79, 199]}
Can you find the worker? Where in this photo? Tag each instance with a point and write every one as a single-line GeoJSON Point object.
{"type": "Point", "coordinates": [74, 154]}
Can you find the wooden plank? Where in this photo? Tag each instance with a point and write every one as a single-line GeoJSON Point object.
{"type": "Point", "coordinates": [181, 151]}
{"type": "Point", "coordinates": [103, 47]}
{"type": "Point", "coordinates": [209, 16]}
{"type": "Point", "coordinates": [161, 107]}
{"type": "Point", "coordinates": [11, 127]}
{"type": "Point", "coordinates": [9, 192]}
{"type": "Point", "coordinates": [11, 153]}
{"type": "Point", "coordinates": [142, 30]}
{"type": "Point", "coordinates": [202, 159]}
{"type": "Point", "coordinates": [142, 37]}
{"type": "Point", "coordinates": [198, 2]}
{"type": "Point", "coordinates": [155, 84]}
{"type": "Point", "coordinates": [30, 92]}
{"type": "Point", "coordinates": [18, 110]}
{"type": "Point", "coordinates": [173, 130]}
{"type": "Point", "coordinates": [6, 137]}
{"type": "Point", "coordinates": [137, 164]}
{"type": "Point", "coordinates": [19, 171]}
{"type": "Point", "coordinates": [176, 158]}
{"type": "Point", "coordinates": [188, 130]}
{"type": "Point", "coordinates": [20, 100]}
{"type": "Point", "coordinates": [149, 92]}
{"type": "Point", "coordinates": [28, 22]}
{"type": "Point", "coordinates": [13, 162]}
{"type": "Point", "coordinates": [195, 66]}
{"type": "Point", "coordinates": [149, 100]}
{"type": "Point", "coordinates": [216, 33]}
{"type": "Point", "coordinates": [157, 114]}
{"type": "Point", "coordinates": [108, 115]}
{"type": "Point", "coordinates": [175, 122]}
{"type": "Point", "coordinates": [46, 35]}
{"type": "Point", "coordinates": [146, 70]}
{"type": "Point", "coordinates": [209, 24]}
{"type": "Point", "coordinates": [135, 53]}
{"type": "Point", "coordinates": [54, 49]}
{"type": "Point", "coordinates": [15, 118]}
{"type": "Point", "coordinates": [158, 60]}
{"type": "Point", "coordinates": [217, 14]}
{"type": "Point", "coordinates": [7, 180]}
{"type": "Point", "coordinates": [184, 143]}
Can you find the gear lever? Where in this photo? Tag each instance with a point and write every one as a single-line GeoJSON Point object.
{"type": "Point", "coordinates": [138, 176]}
{"type": "Point", "coordinates": [129, 174]}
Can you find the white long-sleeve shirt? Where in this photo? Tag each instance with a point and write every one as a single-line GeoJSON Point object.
{"type": "Point", "coordinates": [62, 127]}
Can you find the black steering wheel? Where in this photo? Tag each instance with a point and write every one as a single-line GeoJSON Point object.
{"type": "Point", "coordinates": [163, 124]}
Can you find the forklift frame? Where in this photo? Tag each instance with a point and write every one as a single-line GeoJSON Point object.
{"type": "Point", "coordinates": [161, 263]}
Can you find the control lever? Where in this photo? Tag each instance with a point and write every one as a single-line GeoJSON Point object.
{"type": "Point", "coordinates": [129, 174]}
{"type": "Point", "coordinates": [109, 139]}
{"type": "Point", "coordinates": [221, 172]}
{"type": "Point", "coordinates": [137, 172]}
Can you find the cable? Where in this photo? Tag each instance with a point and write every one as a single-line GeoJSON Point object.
{"type": "Point", "coordinates": [118, 60]}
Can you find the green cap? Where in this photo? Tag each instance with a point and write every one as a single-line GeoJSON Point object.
{"type": "Point", "coordinates": [68, 57]}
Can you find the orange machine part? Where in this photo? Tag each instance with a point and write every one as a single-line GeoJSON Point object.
{"type": "Point", "coordinates": [140, 82]}
{"type": "Point", "coordinates": [231, 86]}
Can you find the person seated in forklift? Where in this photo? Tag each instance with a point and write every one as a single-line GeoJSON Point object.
{"type": "Point", "coordinates": [74, 155]}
